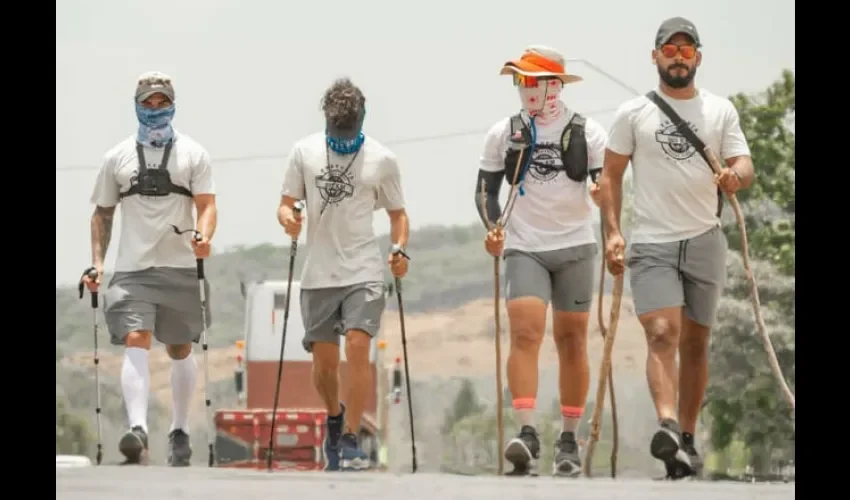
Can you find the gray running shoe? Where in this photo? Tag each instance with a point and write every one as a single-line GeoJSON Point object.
{"type": "Point", "coordinates": [567, 460]}
{"type": "Point", "coordinates": [523, 452]}
{"type": "Point", "coordinates": [179, 449]}
{"type": "Point", "coordinates": [134, 445]}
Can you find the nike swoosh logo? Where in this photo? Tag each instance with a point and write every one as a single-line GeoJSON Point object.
{"type": "Point", "coordinates": [580, 302]}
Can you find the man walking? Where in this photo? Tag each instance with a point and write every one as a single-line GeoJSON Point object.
{"type": "Point", "coordinates": [344, 176]}
{"type": "Point", "coordinates": [550, 246]}
{"type": "Point", "coordinates": [677, 255]}
{"type": "Point", "coordinates": [158, 175]}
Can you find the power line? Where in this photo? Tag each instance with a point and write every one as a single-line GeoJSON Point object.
{"type": "Point", "coordinates": [395, 142]}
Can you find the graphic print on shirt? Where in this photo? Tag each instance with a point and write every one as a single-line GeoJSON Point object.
{"type": "Point", "coordinates": [673, 143]}
{"type": "Point", "coordinates": [335, 184]}
{"type": "Point", "coordinates": [546, 163]}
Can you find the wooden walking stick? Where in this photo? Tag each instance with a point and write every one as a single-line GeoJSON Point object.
{"type": "Point", "coordinates": [604, 369]}
{"type": "Point", "coordinates": [601, 320]}
{"type": "Point", "coordinates": [714, 163]}
{"type": "Point", "coordinates": [499, 225]}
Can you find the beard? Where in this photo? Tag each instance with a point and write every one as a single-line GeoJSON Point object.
{"type": "Point", "coordinates": [677, 82]}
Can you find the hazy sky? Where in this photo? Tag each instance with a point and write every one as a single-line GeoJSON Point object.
{"type": "Point", "coordinates": [249, 75]}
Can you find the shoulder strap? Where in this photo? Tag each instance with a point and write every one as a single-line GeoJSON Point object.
{"type": "Point", "coordinates": [689, 134]}
{"type": "Point", "coordinates": [578, 120]}
{"type": "Point", "coordinates": [518, 124]}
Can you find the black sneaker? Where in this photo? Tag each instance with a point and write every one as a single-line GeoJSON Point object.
{"type": "Point", "coordinates": [666, 446]}
{"type": "Point", "coordinates": [567, 461]}
{"type": "Point", "coordinates": [134, 445]}
{"type": "Point", "coordinates": [523, 452]}
{"type": "Point", "coordinates": [690, 449]}
{"type": "Point", "coordinates": [333, 433]}
{"type": "Point", "coordinates": [179, 449]}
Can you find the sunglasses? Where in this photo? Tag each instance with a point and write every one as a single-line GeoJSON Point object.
{"type": "Point", "coordinates": [670, 50]}
{"type": "Point", "coordinates": [526, 81]}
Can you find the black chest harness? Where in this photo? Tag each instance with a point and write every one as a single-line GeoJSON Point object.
{"type": "Point", "coordinates": [573, 148]}
{"type": "Point", "coordinates": [154, 181]}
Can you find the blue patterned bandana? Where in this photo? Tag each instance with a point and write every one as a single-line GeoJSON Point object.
{"type": "Point", "coordinates": [155, 128]}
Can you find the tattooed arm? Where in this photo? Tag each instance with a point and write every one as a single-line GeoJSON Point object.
{"type": "Point", "coordinates": [101, 233]}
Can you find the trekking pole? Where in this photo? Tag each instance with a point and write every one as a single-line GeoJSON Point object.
{"type": "Point", "coordinates": [604, 369]}
{"type": "Point", "coordinates": [714, 163]}
{"type": "Point", "coordinates": [92, 274]}
{"type": "Point", "coordinates": [396, 250]}
{"type": "Point", "coordinates": [298, 206]}
{"type": "Point", "coordinates": [204, 346]}
{"type": "Point", "coordinates": [600, 316]}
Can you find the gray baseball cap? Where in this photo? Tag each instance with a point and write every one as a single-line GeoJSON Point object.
{"type": "Point", "coordinates": [153, 82]}
{"type": "Point", "coordinates": [675, 25]}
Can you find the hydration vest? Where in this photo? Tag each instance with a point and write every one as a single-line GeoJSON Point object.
{"type": "Point", "coordinates": [156, 181]}
{"type": "Point", "coordinates": [573, 148]}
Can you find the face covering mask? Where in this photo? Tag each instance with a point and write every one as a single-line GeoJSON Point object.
{"type": "Point", "coordinates": [346, 142]}
{"type": "Point", "coordinates": [155, 128]}
{"type": "Point", "coordinates": [543, 101]}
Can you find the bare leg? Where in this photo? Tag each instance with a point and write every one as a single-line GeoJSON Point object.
{"type": "Point", "coordinates": [662, 328]}
{"type": "Point", "coordinates": [693, 373]}
{"type": "Point", "coordinates": [326, 375]}
{"type": "Point", "coordinates": [527, 324]}
{"type": "Point", "coordinates": [570, 330]}
{"type": "Point", "coordinates": [357, 344]}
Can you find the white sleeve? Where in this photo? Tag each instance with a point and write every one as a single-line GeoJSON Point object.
{"type": "Point", "coordinates": [390, 193]}
{"type": "Point", "coordinates": [202, 178]}
{"type": "Point", "coordinates": [293, 178]}
{"type": "Point", "coordinates": [621, 137]}
{"type": "Point", "coordinates": [492, 157]}
{"type": "Point", "coordinates": [106, 188]}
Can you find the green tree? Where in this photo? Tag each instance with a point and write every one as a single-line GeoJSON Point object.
{"type": "Point", "coordinates": [767, 120]}
{"type": "Point", "coordinates": [466, 403]}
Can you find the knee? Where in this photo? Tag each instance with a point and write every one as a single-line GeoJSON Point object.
{"type": "Point", "coordinates": [662, 334]}
{"type": "Point", "coordinates": [140, 339]}
{"type": "Point", "coordinates": [694, 342]}
{"type": "Point", "coordinates": [527, 337]}
{"type": "Point", "coordinates": [571, 333]}
{"type": "Point", "coordinates": [325, 359]}
{"type": "Point", "coordinates": [178, 352]}
{"type": "Point", "coordinates": [357, 344]}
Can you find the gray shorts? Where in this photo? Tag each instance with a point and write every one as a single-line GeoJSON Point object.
{"type": "Point", "coordinates": [164, 300]}
{"type": "Point", "coordinates": [329, 313]}
{"type": "Point", "coordinates": [689, 273]}
{"type": "Point", "coordinates": [563, 277]}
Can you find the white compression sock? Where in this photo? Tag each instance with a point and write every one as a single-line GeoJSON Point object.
{"type": "Point", "coordinates": [184, 373]}
{"type": "Point", "coordinates": [135, 382]}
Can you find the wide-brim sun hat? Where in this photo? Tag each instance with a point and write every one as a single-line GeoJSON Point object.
{"type": "Point", "coordinates": [538, 60]}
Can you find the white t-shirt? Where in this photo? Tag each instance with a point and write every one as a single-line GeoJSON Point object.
{"type": "Point", "coordinates": [675, 194]}
{"type": "Point", "coordinates": [555, 211]}
{"type": "Point", "coordinates": [146, 239]}
{"type": "Point", "coordinates": [342, 247]}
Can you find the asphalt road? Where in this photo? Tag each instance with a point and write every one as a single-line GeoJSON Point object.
{"type": "Point", "coordinates": [160, 483]}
